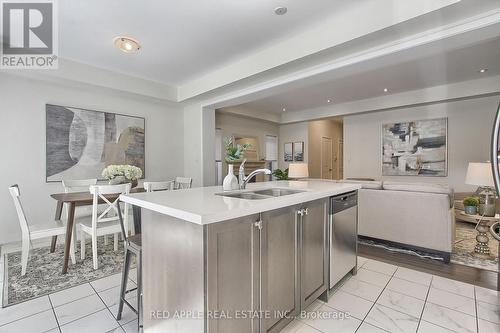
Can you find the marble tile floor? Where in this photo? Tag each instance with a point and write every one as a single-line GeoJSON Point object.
{"type": "Point", "coordinates": [381, 298]}
{"type": "Point", "coordinates": [387, 298]}
{"type": "Point", "coordinates": [90, 307]}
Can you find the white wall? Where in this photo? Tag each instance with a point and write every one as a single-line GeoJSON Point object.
{"type": "Point", "coordinates": [469, 130]}
{"type": "Point", "coordinates": [292, 133]}
{"type": "Point", "coordinates": [23, 141]}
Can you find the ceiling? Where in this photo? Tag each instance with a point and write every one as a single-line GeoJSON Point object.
{"type": "Point", "coordinates": [180, 40]}
{"type": "Point", "coordinates": [437, 69]}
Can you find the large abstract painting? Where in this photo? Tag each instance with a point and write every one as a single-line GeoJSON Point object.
{"type": "Point", "coordinates": [81, 143]}
{"type": "Point", "coordinates": [415, 148]}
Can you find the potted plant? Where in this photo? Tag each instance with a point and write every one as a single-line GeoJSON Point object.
{"type": "Point", "coordinates": [234, 153]}
{"type": "Point", "coordinates": [122, 174]}
{"type": "Point", "coordinates": [281, 174]}
{"type": "Point", "coordinates": [470, 205]}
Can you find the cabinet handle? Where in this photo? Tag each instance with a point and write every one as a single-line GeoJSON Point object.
{"type": "Point", "coordinates": [303, 211]}
{"type": "Point", "coordinates": [258, 224]}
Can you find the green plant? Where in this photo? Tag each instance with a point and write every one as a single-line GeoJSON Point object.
{"type": "Point", "coordinates": [471, 201]}
{"type": "Point", "coordinates": [234, 152]}
{"type": "Point", "coordinates": [281, 174]}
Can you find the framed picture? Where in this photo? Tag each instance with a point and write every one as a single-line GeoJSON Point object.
{"type": "Point", "coordinates": [298, 151]}
{"type": "Point", "coordinates": [81, 143]}
{"type": "Point", "coordinates": [415, 148]}
{"type": "Point", "coordinates": [288, 152]}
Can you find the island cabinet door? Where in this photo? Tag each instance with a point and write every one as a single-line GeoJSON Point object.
{"type": "Point", "coordinates": [313, 248]}
{"type": "Point", "coordinates": [233, 270]}
{"type": "Point", "coordinates": [280, 271]}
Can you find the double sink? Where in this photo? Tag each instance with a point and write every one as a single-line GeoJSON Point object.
{"type": "Point", "coordinates": [260, 194]}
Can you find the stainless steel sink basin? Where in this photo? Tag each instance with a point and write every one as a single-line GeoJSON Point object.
{"type": "Point", "coordinates": [260, 194]}
{"type": "Point", "coordinates": [277, 192]}
{"type": "Point", "coordinates": [244, 195]}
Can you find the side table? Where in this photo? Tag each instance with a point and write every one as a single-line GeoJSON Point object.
{"type": "Point", "coordinates": [482, 227]}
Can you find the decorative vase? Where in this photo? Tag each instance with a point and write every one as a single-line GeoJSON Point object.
{"type": "Point", "coordinates": [471, 210]}
{"type": "Point", "coordinates": [118, 180]}
{"type": "Point", "coordinates": [230, 181]}
{"type": "Point", "coordinates": [122, 180]}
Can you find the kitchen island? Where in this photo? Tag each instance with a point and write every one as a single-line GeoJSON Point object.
{"type": "Point", "coordinates": [242, 261]}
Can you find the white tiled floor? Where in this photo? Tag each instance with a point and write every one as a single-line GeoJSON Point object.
{"type": "Point", "coordinates": [386, 298]}
{"type": "Point", "coordinates": [90, 307]}
{"type": "Point", "coordinates": [381, 298]}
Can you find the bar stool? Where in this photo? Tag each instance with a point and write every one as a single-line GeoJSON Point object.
{"type": "Point", "coordinates": [133, 246]}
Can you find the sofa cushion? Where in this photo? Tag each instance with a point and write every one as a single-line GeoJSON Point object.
{"type": "Point", "coordinates": [417, 187]}
{"type": "Point", "coordinates": [369, 185]}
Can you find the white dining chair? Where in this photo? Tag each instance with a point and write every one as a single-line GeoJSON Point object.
{"type": "Point", "coordinates": [159, 186]}
{"type": "Point", "coordinates": [78, 185]}
{"type": "Point", "coordinates": [36, 231]}
{"type": "Point", "coordinates": [183, 183]}
{"type": "Point", "coordinates": [105, 223]}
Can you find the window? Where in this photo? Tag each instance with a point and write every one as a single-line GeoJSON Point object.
{"type": "Point", "coordinates": [271, 148]}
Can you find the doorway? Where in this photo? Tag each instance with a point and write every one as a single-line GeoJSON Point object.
{"type": "Point", "coordinates": [326, 148]}
{"type": "Point", "coordinates": [326, 158]}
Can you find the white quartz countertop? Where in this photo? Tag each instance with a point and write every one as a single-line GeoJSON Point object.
{"type": "Point", "coordinates": [202, 205]}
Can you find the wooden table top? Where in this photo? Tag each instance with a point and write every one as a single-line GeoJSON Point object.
{"type": "Point", "coordinates": [86, 197]}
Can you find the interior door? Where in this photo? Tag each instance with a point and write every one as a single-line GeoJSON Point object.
{"type": "Point", "coordinates": [326, 158]}
{"type": "Point", "coordinates": [340, 160]}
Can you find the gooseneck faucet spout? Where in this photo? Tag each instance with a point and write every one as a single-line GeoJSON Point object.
{"type": "Point", "coordinates": [244, 180]}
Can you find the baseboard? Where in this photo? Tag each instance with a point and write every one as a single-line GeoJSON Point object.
{"type": "Point", "coordinates": [415, 250]}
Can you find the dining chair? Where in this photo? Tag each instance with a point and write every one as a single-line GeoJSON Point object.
{"type": "Point", "coordinates": [78, 185]}
{"type": "Point", "coordinates": [159, 186]}
{"type": "Point", "coordinates": [36, 231]}
{"type": "Point", "coordinates": [182, 183]}
{"type": "Point", "coordinates": [133, 246]}
{"type": "Point", "coordinates": [106, 222]}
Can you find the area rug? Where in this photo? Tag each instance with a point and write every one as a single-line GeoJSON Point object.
{"type": "Point", "coordinates": [44, 272]}
{"type": "Point", "coordinates": [463, 249]}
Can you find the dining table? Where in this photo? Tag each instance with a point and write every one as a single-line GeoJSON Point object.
{"type": "Point", "coordinates": [77, 199]}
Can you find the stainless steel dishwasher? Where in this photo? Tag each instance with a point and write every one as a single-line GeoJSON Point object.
{"type": "Point", "coordinates": [343, 230]}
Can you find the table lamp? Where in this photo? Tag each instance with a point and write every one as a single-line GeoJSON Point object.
{"type": "Point", "coordinates": [298, 170]}
{"type": "Point", "coordinates": [480, 174]}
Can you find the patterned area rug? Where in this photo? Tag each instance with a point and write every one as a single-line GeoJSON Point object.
{"type": "Point", "coordinates": [463, 249]}
{"type": "Point", "coordinates": [43, 275]}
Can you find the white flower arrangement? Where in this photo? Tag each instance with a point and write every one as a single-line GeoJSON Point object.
{"type": "Point", "coordinates": [130, 172]}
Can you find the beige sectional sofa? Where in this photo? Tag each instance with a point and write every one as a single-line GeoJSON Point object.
{"type": "Point", "coordinates": [413, 215]}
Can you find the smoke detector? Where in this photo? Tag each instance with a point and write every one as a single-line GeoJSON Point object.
{"type": "Point", "coordinates": [280, 10]}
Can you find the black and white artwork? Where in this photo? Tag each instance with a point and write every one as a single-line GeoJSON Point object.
{"type": "Point", "coordinates": [81, 143]}
{"type": "Point", "coordinates": [298, 151]}
{"type": "Point", "coordinates": [288, 152]}
{"type": "Point", "coordinates": [415, 148]}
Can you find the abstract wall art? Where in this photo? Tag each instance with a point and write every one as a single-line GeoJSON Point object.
{"type": "Point", "coordinates": [415, 148]}
{"type": "Point", "coordinates": [298, 151]}
{"type": "Point", "coordinates": [288, 152]}
{"type": "Point", "coordinates": [81, 143]}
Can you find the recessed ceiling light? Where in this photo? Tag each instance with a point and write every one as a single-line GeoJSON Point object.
{"type": "Point", "coordinates": [280, 10]}
{"type": "Point", "coordinates": [127, 44]}
{"type": "Point", "coordinates": [483, 70]}
{"type": "Point", "coordinates": [328, 100]}
{"type": "Point", "coordinates": [284, 109]}
{"type": "Point", "coordinates": [386, 90]}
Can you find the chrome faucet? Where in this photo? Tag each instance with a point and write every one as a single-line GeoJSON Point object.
{"type": "Point", "coordinates": [244, 180]}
